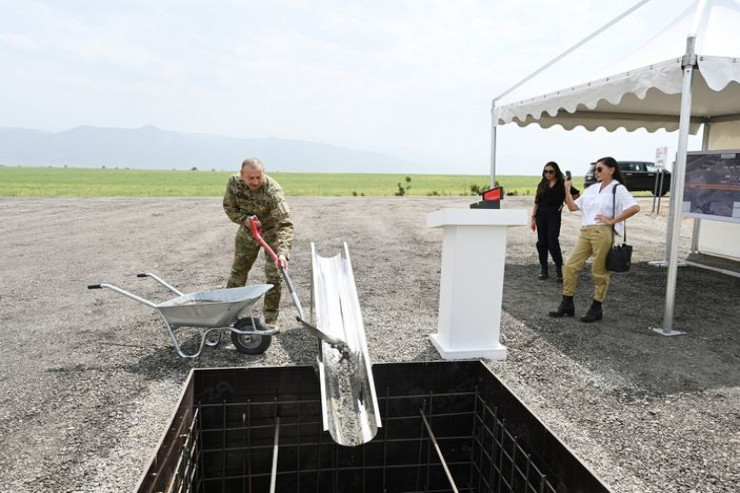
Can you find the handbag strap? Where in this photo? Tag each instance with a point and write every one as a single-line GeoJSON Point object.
{"type": "Point", "coordinates": [614, 213]}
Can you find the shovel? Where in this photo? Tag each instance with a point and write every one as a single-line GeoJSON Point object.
{"type": "Point", "coordinates": [341, 346]}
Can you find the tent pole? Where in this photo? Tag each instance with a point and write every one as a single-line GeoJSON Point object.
{"type": "Point", "coordinates": [493, 144]}
{"type": "Point", "coordinates": [688, 64]}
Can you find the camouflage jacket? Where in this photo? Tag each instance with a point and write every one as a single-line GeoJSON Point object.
{"type": "Point", "coordinates": [267, 203]}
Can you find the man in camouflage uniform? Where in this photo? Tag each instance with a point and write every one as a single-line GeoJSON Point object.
{"type": "Point", "coordinates": [252, 193]}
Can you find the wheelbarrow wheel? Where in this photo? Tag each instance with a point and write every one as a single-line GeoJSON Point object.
{"type": "Point", "coordinates": [249, 343]}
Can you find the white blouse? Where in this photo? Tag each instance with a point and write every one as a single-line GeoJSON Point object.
{"type": "Point", "coordinates": [594, 201]}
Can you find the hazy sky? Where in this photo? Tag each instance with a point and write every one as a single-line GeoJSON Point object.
{"type": "Point", "coordinates": [414, 78]}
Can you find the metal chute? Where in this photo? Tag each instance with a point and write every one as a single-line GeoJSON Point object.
{"type": "Point", "coordinates": [349, 401]}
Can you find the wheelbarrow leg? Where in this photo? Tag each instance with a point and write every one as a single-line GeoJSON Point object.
{"type": "Point", "coordinates": [176, 343]}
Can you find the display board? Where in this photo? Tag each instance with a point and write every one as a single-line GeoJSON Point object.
{"type": "Point", "coordinates": [712, 186]}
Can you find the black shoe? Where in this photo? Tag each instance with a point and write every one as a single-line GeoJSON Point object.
{"type": "Point", "coordinates": [559, 274]}
{"type": "Point", "coordinates": [543, 274]}
{"type": "Point", "coordinates": [566, 308]}
{"type": "Point", "coordinates": [593, 314]}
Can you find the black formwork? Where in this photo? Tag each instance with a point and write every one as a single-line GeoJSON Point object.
{"type": "Point", "coordinates": [447, 426]}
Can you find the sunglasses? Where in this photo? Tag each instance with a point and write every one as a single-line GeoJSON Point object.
{"type": "Point", "coordinates": [549, 171]}
{"type": "Point", "coordinates": [599, 169]}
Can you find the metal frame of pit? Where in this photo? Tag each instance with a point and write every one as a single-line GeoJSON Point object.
{"type": "Point", "coordinates": [448, 426]}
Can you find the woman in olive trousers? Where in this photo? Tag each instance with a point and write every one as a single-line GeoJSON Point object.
{"type": "Point", "coordinates": [604, 209]}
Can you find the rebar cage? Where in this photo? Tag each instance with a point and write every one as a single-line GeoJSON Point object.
{"type": "Point", "coordinates": [447, 426]}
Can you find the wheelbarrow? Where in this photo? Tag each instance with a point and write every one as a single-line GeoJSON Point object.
{"type": "Point", "coordinates": [211, 313]}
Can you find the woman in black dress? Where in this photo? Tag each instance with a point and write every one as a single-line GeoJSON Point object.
{"type": "Point", "coordinates": [548, 203]}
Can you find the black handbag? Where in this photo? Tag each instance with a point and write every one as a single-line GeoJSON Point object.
{"type": "Point", "coordinates": [620, 256]}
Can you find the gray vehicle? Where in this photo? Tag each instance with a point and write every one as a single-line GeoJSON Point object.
{"type": "Point", "coordinates": [639, 176]}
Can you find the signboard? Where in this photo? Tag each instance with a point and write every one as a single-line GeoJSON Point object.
{"type": "Point", "coordinates": [660, 156]}
{"type": "Point", "coordinates": [712, 186]}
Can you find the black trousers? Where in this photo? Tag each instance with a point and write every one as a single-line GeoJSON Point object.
{"type": "Point", "coordinates": [548, 237]}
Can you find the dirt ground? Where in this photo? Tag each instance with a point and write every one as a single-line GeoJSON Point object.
{"type": "Point", "coordinates": [89, 379]}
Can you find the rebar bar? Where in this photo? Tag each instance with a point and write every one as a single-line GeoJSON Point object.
{"type": "Point", "coordinates": [439, 452]}
{"type": "Point", "coordinates": [275, 450]}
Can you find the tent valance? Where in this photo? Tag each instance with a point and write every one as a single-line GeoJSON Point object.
{"type": "Point", "coordinates": [648, 97]}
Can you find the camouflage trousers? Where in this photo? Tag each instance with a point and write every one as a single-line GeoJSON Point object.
{"type": "Point", "coordinates": [246, 251]}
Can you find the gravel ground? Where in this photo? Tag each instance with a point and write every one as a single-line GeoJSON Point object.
{"type": "Point", "coordinates": [89, 379]}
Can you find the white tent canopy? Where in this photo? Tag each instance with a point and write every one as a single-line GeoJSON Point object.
{"type": "Point", "coordinates": [700, 84]}
{"type": "Point", "coordinates": [649, 96]}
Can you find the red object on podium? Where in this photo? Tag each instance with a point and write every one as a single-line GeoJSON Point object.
{"type": "Point", "coordinates": [491, 199]}
{"type": "Point", "coordinates": [492, 194]}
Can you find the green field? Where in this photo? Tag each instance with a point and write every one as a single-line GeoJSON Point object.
{"type": "Point", "coordinates": [98, 182]}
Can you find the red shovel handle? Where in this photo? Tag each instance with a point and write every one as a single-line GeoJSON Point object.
{"type": "Point", "coordinates": [254, 226]}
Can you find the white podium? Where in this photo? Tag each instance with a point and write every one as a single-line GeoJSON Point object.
{"type": "Point", "coordinates": [472, 280]}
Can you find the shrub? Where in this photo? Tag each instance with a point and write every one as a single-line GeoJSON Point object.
{"type": "Point", "coordinates": [401, 189]}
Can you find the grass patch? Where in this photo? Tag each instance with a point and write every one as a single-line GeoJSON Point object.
{"type": "Point", "coordinates": [17, 181]}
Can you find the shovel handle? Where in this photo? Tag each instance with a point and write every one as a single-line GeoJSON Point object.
{"type": "Point", "coordinates": [256, 234]}
{"type": "Point", "coordinates": [336, 343]}
{"type": "Point", "coordinates": [255, 229]}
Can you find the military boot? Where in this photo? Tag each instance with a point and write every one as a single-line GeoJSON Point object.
{"type": "Point", "coordinates": [272, 320]}
{"type": "Point", "coordinates": [593, 314]}
{"type": "Point", "coordinates": [566, 308]}
{"type": "Point", "coordinates": [559, 273]}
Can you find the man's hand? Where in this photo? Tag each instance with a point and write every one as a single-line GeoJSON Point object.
{"type": "Point", "coordinates": [282, 262]}
{"type": "Point", "coordinates": [256, 221]}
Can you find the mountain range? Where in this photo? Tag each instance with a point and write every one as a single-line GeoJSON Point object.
{"type": "Point", "coordinates": [153, 148]}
